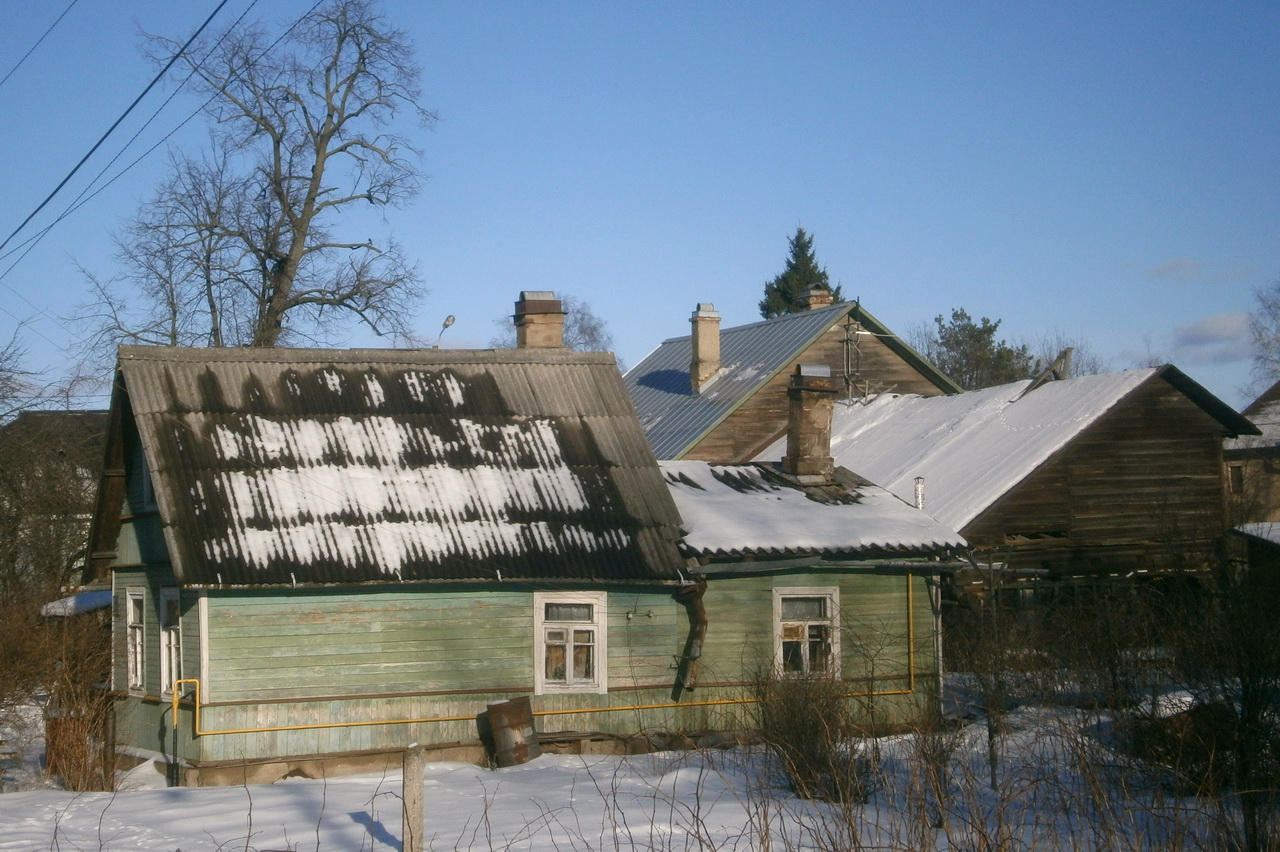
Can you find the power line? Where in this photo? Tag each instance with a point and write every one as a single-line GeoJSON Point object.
{"type": "Point", "coordinates": [114, 125]}
{"type": "Point", "coordinates": [18, 64]}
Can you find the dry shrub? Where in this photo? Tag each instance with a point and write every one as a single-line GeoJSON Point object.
{"type": "Point", "coordinates": [809, 723]}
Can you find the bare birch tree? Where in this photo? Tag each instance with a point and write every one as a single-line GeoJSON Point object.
{"type": "Point", "coordinates": [240, 247]}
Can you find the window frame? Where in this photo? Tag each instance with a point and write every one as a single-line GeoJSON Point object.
{"type": "Point", "coordinates": [135, 643]}
{"type": "Point", "coordinates": [832, 619]}
{"type": "Point", "coordinates": [170, 638]}
{"type": "Point", "coordinates": [599, 684]}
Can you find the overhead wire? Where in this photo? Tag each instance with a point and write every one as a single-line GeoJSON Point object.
{"type": "Point", "coordinates": [85, 196]}
{"type": "Point", "coordinates": [31, 50]}
{"type": "Point", "coordinates": [173, 59]}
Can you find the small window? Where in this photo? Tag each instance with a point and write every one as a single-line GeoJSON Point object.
{"type": "Point", "coordinates": [806, 636]}
{"type": "Point", "coordinates": [1235, 476]}
{"type": "Point", "coordinates": [170, 640]}
{"type": "Point", "coordinates": [569, 642]}
{"type": "Point", "coordinates": [134, 640]}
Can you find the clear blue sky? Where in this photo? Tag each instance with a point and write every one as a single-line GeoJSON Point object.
{"type": "Point", "coordinates": [1103, 170]}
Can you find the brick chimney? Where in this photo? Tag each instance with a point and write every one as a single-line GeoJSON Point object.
{"type": "Point", "coordinates": [705, 362]}
{"type": "Point", "coordinates": [539, 320]}
{"type": "Point", "coordinates": [816, 297]}
{"type": "Point", "coordinates": [812, 395]}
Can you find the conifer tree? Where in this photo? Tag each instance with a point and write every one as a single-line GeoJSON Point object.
{"type": "Point", "coordinates": [802, 272]}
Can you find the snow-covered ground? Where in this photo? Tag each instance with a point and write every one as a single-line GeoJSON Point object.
{"type": "Point", "coordinates": [1058, 788]}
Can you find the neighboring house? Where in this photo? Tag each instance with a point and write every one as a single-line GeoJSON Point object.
{"type": "Point", "coordinates": [49, 468]}
{"type": "Point", "coordinates": [1098, 475]}
{"type": "Point", "coordinates": [845, 572]}
{"type": "Point", "coordinates": [722, 395]}
{"type": "Point", "coordinates": [319, 557]}
{"type": "Point", "coordinates": [1253, 463]}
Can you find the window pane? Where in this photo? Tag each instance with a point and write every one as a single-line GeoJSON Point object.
{"type": "Point", "coordinates": [568, 612]}
{"type": "Point", "coordinates": [583, 659]}
{"type": "Point", "coordinates": [555, 670]}
{"type": "Point", "coordinates": [819, 647]}
{"type": "Point", "coordinates": [802, 609]}
{"type": "Point", "coordinates": [556, 636]}
{"type": "Point", "coordinates": [793, 656]}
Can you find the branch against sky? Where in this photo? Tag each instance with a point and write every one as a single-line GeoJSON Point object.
{"type": "Point", "coordinates": [241, 245]}
{"type": "Point", "coordinates": [1264, 329]}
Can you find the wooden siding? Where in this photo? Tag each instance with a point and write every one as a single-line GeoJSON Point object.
{"type": "Point", "coordinates": [1138, 490]}
{"type": "Point", "coordinates": [279, 645]}
{"type": "Point", "coordinates": [763, 418]}
{"type": "Point", "coordinates": [292, 660]}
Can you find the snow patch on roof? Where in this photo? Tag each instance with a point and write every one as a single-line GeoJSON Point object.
{"type": "Point", "coordinates": [292, 501]}
{"type": "Point", "coordinates": [738, 509]}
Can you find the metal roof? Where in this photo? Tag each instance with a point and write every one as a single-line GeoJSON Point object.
{"type": "Point", "coordinates": [750, 510]}
{"type": "Point", "coordinates": [675, 418]}
{"type": "Point", "coordinates": [278, 466]}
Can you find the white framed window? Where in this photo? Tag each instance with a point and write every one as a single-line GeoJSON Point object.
{"type": "Point", "coordinates": [170, 640]}
{"type": "Point", "coordinates": [570, 642]}
{"type": "Point", "coordinates": [806, 633]}
{"type": "Point", "coordinates": [135, 614]}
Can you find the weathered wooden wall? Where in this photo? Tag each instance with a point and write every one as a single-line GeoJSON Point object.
{"type": "Point", "coordinates": [369, 656]}
{"type": "Point", "coordinates": [1141, 489]}
{"type": "Point", "coordinates": [762, 419]}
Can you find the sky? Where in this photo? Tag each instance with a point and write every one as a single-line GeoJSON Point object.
{"type": "Point", "coordinates": [1100, 172]}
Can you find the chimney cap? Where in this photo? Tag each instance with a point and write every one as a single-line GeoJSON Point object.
{"type": "Point", "coordinates": [706, 309]}
{"type": "Point", "coordinates": [537, 295]}
{"type": "Point", "coordinates": [813, 370]}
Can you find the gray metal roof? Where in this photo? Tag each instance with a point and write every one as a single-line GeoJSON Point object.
{"type": "Point", "coordinates": [327, 466]}
{"type": "Point", "coordinates": [674, 418]}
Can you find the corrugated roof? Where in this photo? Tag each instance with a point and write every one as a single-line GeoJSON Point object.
{"type": "Point", "coordinates": [675, 418]}
{"type": "Point", "coordinates": [322, 466]}
{"type": "Point", "coordinates": [755, 510]}
{"type": "Point", "coordinates": [972, 448]}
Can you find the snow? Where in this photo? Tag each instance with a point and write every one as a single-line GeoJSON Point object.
{"type": "Point", "coordinates": [294, 502]}
{"type": "Point", "coordinates": [971, 448]}
{"type": "Point", "coordinates": [85, 601]}
{"type": "Point", "coordinates": [1266, 531]}
{"type": "Point", "coordinates": [1059, 788]}
{"type": "Point", "coordinates": [760, 516]}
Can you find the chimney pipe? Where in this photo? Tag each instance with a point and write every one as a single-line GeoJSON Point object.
{"type": "Point", "coordinates": [812, 395]}
{"type": "Point", "coordinates": [705, 362]}
{"type": "Point", "coordinates": [539, 320]}
{"type": "Point", "coordinates": [920, 493]}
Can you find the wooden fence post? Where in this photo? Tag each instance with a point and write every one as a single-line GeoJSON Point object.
{"type": "Point", "coordinates": [415, 766]}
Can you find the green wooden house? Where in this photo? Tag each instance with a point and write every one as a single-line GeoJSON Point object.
{"type": "Point", "coordinates": [319, 557]}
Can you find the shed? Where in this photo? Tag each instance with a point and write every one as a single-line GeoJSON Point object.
{"type": "Point", "coordinates": [1105, 475]}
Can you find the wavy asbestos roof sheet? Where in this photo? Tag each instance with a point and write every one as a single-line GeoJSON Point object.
{"type": "Point", "coordinates": [972, 448]}
{"type": "Point", "coordinates": [675, 418]}
{"type": "Point", "coordinates": [753, 510]}
{"type": "Point", "coordinates": [321, 466]}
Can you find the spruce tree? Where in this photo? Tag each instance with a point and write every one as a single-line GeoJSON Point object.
{"type": "Point", "coordinates": [802, 272]}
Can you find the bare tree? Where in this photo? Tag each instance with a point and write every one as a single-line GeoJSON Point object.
{"type": "Point", "coordinates": [1264, 328]}
{"type": "Point", "coordinates": [1085, 360]}
{"type": "Point", "coordinates": [239, 247]}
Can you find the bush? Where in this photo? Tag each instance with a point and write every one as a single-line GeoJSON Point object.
{"type": "Point", "coordinates": [808, 722]}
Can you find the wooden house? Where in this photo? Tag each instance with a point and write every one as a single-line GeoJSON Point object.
{"type": "Point", "coordinates": [1253, 463]}
{"type": "Point", "coordinates": [1109, 475]}
{"type": "Point", "coordinates": [318, 557]}
{"type": "Point", "coordinates": [845, 573]}
{"type": "Point", "coordinates": [721, 395]}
